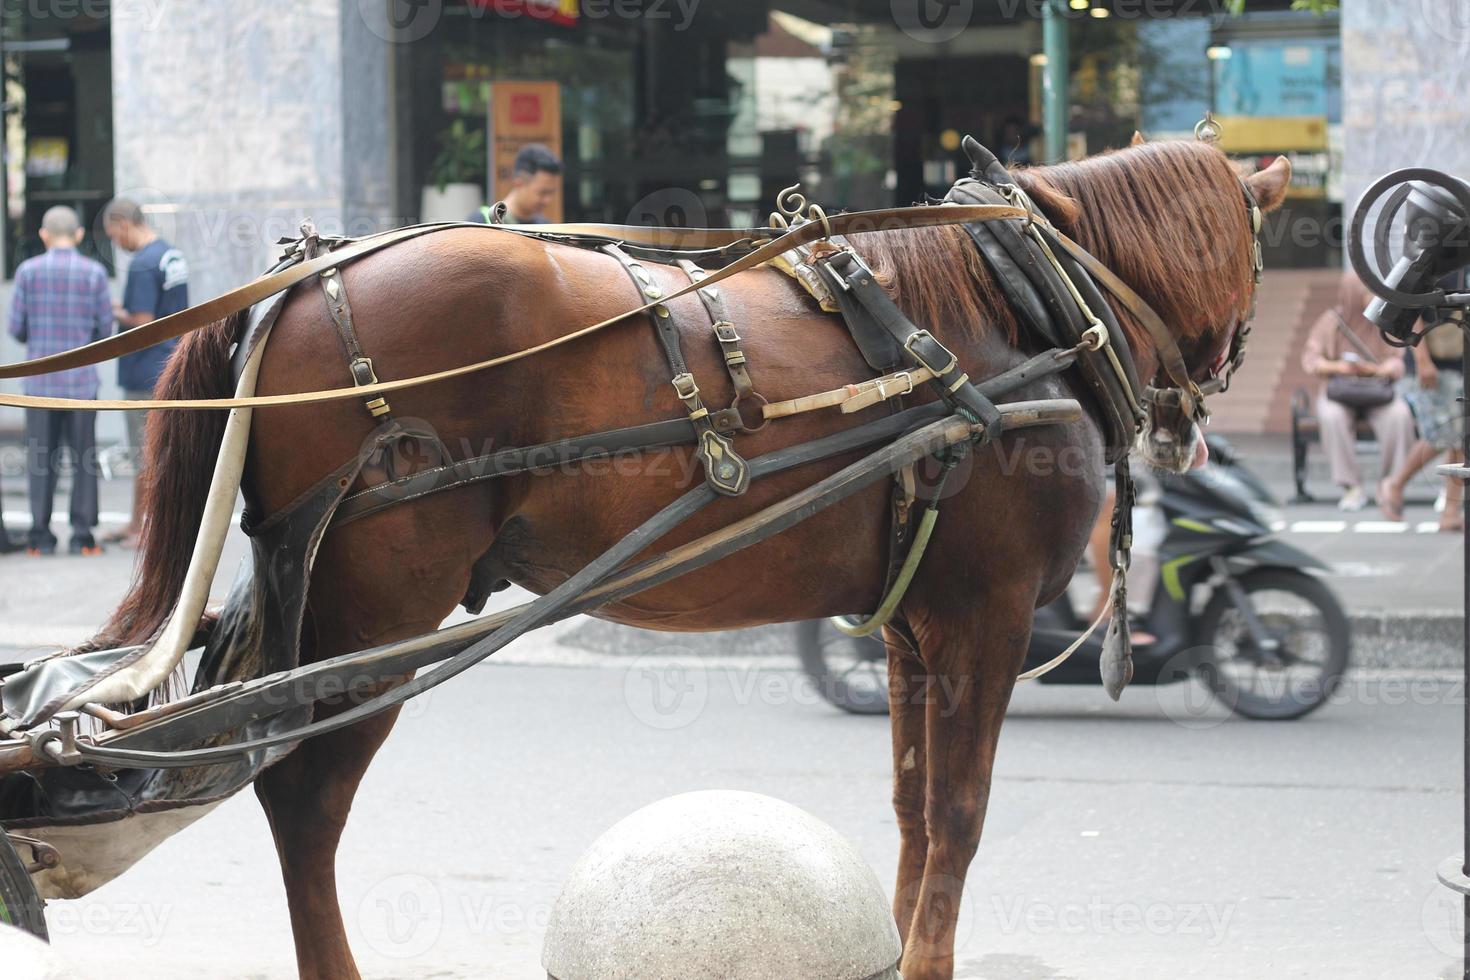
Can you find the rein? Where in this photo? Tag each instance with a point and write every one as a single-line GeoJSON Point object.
{"type": "Point", "coordinates": [198, 317]}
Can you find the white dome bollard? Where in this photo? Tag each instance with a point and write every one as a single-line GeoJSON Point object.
{"type": "Point", "coordinates": [24, 957]}
{"type": "Point", "coordinates": [721, 885]}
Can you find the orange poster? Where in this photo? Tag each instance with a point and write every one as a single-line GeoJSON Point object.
{"type": "Point", "coordinates": [522, 113]}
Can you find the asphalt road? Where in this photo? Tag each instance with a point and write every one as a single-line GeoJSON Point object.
{"type": "Point", "coordinates": [1156, 838]}
{"type": "Point", "coordinates": [1378, 566]}
{"type": "Point", "coordinates": [1147, 839]}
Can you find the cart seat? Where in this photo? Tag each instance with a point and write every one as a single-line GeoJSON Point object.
{"type": "Point", "coordinates": [25, 692]}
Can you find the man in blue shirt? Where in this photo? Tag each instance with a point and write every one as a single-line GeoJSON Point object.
{"type": "Point", "coordinates": [60, 301]}
{"type": "Point", "coordinates": [157, 284]}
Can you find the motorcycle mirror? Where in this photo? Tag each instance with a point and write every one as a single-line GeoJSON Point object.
{"type": "Point", "coordinates": [1435, 242]}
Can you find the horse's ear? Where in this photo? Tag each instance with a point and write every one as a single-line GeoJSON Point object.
{"type": "Point", "coordinates": [1269, 185]}
{"type": "Point", "coordinates": [1137, 139]}
{"type": "Point", "coordinates": [1061, 209]}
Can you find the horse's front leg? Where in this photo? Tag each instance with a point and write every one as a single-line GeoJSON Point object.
{"type": "Point", "coordinates": [907, 684]}
{"type": "Point", "coordinates": [973, 659]}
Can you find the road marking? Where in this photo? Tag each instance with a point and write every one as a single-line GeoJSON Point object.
{"type": "Point", "coordinates": [23, 518]}
{"type": "Point", "coordinates": [105, 517]}
{"type": "Point", "coordinates": [1318, 527]}
{"type": "Point", "coordinates": [1357, 527]}
{"type": "Point", "coordinates": [1380, 527]}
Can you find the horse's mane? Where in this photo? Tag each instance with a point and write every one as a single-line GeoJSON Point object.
{"type": "Point", "coordinates": [1166, 216]}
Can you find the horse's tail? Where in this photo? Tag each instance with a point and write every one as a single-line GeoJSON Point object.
{"type": "Point", "coordinates": [180, 448]}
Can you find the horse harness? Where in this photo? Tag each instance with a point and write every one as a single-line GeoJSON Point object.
{"type": "Point", "coordinates": [1051, 284]}
{"type": "Point", "coordinates": [1055, 286]}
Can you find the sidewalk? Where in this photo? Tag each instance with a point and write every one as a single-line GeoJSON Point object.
{"type": "Point", "coordinates": [1401, 583]}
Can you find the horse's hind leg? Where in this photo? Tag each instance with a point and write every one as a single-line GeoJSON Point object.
{"type": "Point", "coordinates": [306, 797]}
{"type": "Point", "coordinates": [392, 578]}
{"type": "Point", "coordinates": [972, 658]}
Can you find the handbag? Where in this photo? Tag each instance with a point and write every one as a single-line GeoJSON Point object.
{"type": "Point", "coordinates": [1356, 391]}
{"type": "Point", "coordinates": [1359, 392]}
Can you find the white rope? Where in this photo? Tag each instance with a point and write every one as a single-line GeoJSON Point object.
{"type": "Point", "coordinates": [1061, 658]}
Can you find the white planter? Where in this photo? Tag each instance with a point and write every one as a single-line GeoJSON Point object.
{"type": "Point", "coordinates": [456, 202]}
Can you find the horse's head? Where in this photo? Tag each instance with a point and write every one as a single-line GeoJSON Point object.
{"type": "Point", "coordinates": [1173, 221]}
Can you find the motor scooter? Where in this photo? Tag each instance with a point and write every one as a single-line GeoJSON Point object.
{"type": "Point", "coordinates": [1233, 604]}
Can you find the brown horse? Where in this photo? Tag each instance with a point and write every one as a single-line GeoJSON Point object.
{"type": "Point", "coordinates": [1167, 217]}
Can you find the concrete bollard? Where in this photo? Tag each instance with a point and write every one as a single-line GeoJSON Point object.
{"type": "Point", "coordinates": [24, 957]}
{"type": "Point", "coordinates": [721, 885]}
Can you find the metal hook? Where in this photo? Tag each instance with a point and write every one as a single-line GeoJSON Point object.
{"type": "Point", "coordinates": [820, 215]}
{"type": "Point", "coordinates": [1208, 129]}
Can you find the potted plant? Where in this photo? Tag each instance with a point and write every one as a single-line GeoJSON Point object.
{"type": "Point", "coordinates": [458, 175]}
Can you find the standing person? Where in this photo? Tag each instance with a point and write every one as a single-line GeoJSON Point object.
{"type": "Point", "coordinates": [535, 178]}
{"type": "Point", "coordinates": [61, 301]}
{"type": "Point", "coordinates": [157, 284]}
{"type": "Point", "coordinates": [1359, 371]}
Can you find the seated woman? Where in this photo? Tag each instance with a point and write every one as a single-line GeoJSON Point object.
{"type": "Point", "coordinates": [1343, 344]}
{"type": "Point", "coordinates": [1436, 394]}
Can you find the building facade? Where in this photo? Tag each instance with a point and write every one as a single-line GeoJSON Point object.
{"type": "Point", "coordinates": [230, 123]}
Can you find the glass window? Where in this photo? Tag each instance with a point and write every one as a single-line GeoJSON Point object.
{"type": "Point", "coordinates": [56, 141]}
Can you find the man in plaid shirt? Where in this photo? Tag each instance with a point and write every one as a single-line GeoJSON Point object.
{"type": "Point", "coordinates": [60, 301]}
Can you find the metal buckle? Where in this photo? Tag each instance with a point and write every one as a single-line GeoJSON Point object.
{"type": "Point", "coordinates": [685, 387]}
{"type": "Point", "coordinates": [360, 365]}
{"type": "Point", "coordinates": [725, 332]}
{"type": "Point", "coordinates": [840, 279]}
{"type": "Point", "coordinates": [902, 377]}
{"type": "Point", "coordinates": [913, 338]}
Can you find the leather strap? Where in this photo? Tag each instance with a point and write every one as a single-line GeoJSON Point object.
{"type": "Point", "coordinates": [725, 471]}
{"type": "Point", "coordinates": [852, 276]}
{"type": "Point", "coordinates": [202, 315]}
{"type": "Point", "coordinates": [1036, 290]}
{"type": "Point", "coordinates": [729, 341]}
{"type": "Point", "coordinates": [177, 324]}
{"type": "Point", "coordinates": [878, 345]}
{"type": "Point", "coordinates": [334, 291]}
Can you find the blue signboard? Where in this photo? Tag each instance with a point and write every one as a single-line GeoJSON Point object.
{"type": "Point", "coordinates": [1276, 78]}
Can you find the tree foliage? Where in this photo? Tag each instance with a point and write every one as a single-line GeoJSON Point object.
{"type": "Point", "coordinates": [1315, 6]}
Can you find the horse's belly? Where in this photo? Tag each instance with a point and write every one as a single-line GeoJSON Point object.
{"type": "Point", "coordinates": [832, 563]}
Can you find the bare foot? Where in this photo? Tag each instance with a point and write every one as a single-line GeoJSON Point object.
{"type": "Point", "coordinates": [1452, 525]}
{"type": "Point", "coordinates": [121, 535]}
{"type": "Point", "coordinates": [1390, 500]}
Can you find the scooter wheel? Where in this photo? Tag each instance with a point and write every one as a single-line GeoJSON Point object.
{"type": "Point", "coordinates": [1313, 640]}
{"type": "Point", "coordinates": [849, 672]}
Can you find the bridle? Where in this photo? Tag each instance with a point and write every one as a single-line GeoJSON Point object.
{"type": "Point", "coordinates": [1186, 395]}
{"type": "Point", "coordinates": [1172, 387]}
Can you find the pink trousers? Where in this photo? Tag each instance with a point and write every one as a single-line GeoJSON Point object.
{"type": "Point", "coordinates": [1393, 427]}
